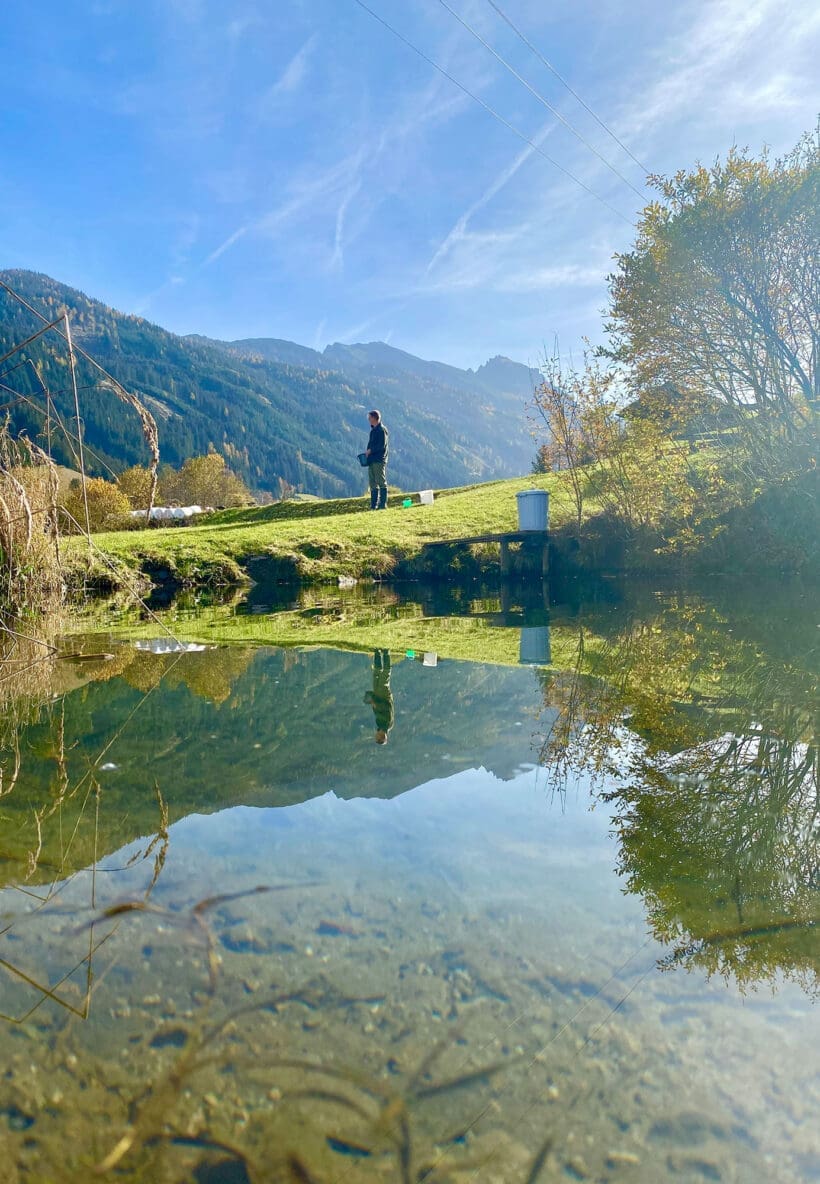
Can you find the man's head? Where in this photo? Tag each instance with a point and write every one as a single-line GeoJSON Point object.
{"type": "Point", "coordinates": [381, 736]}
{"type": "Point", "coordinates": [374, 417]}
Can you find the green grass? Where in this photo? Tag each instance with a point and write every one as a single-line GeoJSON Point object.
{"type": "Point", "coordinates": [311, 541]}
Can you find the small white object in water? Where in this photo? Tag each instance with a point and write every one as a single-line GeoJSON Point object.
{"type": "Point", "coordinates": [347, 582]}
{"type": "Point", "coordinates": [164, 645]}
{"type": "Point", "coordinates": [430, 660]}
{"type": "Point", "coordinates": [108, 767]}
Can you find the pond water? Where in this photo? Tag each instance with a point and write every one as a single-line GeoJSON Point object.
{"type": "Point", "coordinates": [507, 891]}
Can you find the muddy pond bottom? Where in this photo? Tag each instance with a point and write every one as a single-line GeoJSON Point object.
{"type": "Point", "coordinates": [448, 985]}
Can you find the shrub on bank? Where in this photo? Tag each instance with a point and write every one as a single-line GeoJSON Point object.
{"type": "Point", "coordinates": [107, 507]}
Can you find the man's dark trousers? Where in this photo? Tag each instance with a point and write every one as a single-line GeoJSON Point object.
{"type": "Point", "coordinates": [377, 476]}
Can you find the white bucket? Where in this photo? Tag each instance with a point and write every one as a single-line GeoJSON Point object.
{"type": "Point", "coordinates": [533, 509]}
{"type": "Point", "coordinates": [426, 497]}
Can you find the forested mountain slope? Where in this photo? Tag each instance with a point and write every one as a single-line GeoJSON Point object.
{"type": "Point", "coordinates": [273, 420]}
{"type": "Point", "coordinates": [486, 405]}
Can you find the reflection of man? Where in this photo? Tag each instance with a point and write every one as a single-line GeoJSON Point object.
{"type": "Point", "coordinates": [381, 697]}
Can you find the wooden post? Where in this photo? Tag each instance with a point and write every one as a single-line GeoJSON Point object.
{"type": "Point", "coordinates": [505, 557]}
{"type": "Point", "coordinates": [72, 366]}
{"type": "Point", "coordinates": [506, 603]}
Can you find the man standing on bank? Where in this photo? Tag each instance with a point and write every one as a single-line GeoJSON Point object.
{"type": "Point", "coordinates": [376, 453]}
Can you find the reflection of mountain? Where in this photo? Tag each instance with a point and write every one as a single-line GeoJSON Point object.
{"type": "Point", "coordinates": [294, 726]}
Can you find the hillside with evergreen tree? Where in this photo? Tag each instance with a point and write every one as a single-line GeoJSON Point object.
{"type": "Point", "coordinates": [278, 417]}
{"type": "Point", "coordinates": [484, 405]}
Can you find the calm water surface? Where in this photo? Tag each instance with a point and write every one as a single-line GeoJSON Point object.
{"type": "Point", "coordinates": [561, 926]}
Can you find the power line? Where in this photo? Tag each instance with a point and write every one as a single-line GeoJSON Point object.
{"type": "Point", "coordinates": [564, 82]}
{"type": "Point", "coordinates": [68, 434]}
{"type": "Point", "coordinates": [544, 102]}
{"type": "Point", "coordinates": [491, 111]}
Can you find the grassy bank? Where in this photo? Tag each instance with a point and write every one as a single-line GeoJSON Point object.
{"type": "Point", "coordinates": [319, 541]}
{"type": "Point", "coordinates": [312, 542]}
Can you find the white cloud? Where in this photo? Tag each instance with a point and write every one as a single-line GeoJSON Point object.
{"type": "Point", "coordinates": [240, 25]}
{"type": "Point", "coordinates": [780, 94]}
{"type": "Point", "coordinates": [476, 258]}
{"type": "Point", "coordinates": [290, 79]}
{"type": "Point", "coordinates": [312, 191]}
{"type": "Point", "coordinates": [503, 261]}
{"type": "Point", "coordinates": [337, 258]}
{"type": "Point", "coordinates": [567, 275]}
{"type": "Point", "coordinates": [185, 239]}
{"type": "Point", "coordinates": [305, 196]}
{"type": "Point", "coordinates": [353, 334]}
{"type": "Point", "coordinates": [319, 335]}
{"type": "Point", "coordinates": [459, 230]}
{"type": "Point", "coordinates": [142, 305]}
{"type": "Point", "coordinates": [225, 246]}
{"type": "Point", "coordinates": [734, 55]}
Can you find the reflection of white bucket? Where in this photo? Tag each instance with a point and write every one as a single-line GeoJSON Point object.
{"type": "Point", "coordinates": [535, 646]}
{"type": "Point", "coordinates": [426, 497]}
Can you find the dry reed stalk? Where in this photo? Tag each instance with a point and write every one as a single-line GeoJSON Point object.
{"type": "Point", "coordinates": [150, 432]}
{"type": "Point", "coordinates": [30, 572]}
{"type": "Point", "coordinates": [40, 460]}
{"type": "Point", "coordinates": [6, 532]}
{"type": "Point", "coordinates": [147, 421]}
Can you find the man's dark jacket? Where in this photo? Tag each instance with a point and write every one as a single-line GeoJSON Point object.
{"type": "Point", "coordinates": [377, 444]}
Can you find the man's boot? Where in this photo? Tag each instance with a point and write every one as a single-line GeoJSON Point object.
{"type": "Point", "coordinates": [374, 498]}
{"type": "Point", "coordinates": [382, 497]}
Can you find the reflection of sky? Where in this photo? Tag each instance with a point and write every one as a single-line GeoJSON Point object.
{"type": "Point", "coordinates": [469, 837]}
{"type": "Point", "coordinates": [498, 885]}
{"type": "Point", "coordinates": [465, 822]}
{"type": "Point", "coordinates": [509, 850]}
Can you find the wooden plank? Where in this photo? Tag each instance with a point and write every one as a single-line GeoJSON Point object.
{"type": "Point", "coordinates": [514, 536]}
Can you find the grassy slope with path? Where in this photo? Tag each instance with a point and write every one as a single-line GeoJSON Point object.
{"type": "Point", "coordinates": [312, 541]}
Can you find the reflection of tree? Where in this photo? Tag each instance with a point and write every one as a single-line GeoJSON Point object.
{"type": "Point", "coordinates": [53, 819]}
{"type": "Point", "coordinates": [209, 674]}
{"type": "Point", "coordinates": [711, 741]}
{"type": "Point", "coordinates": [27, 667]}
{"type": "Point", "coordinates": [725, 855]}
{"type": "Point", "coordinates": [55, 812]}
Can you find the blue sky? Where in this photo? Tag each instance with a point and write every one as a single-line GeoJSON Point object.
{"type": "Point", "coordinates": [242, 168]}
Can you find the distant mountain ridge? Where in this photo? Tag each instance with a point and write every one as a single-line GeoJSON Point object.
{"type": "Point", "coordinates": [500, 378]}
{"type": "Point", "coordinates": [280, 413]}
